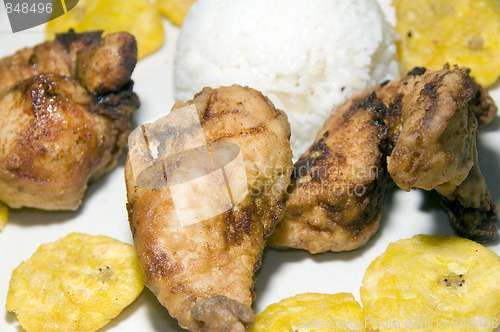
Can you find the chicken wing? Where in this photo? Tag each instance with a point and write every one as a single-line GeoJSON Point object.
{"type": "Point", "coordinates": [434, 117]}
{"type": "Point", "coordinates": [65, 109]}
{"type": "Point", "coordinates": [335, 199]}
{"type": "Point", "coordinates": [203, 272]}
{"type": "Point", "coordinates": [424, 124]}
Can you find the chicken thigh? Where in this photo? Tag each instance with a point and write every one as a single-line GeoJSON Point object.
{"type": "Point", "coordinates": [65, 109]}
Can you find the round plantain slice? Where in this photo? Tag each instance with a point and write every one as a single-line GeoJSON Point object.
{"type": "Point", "coordinates": [77, 283]}
{"type": "Point", "coordinates": [463, 32]}
{"type": "Point", "coordinates": [138, 17]}
{"type": "Point", "coordinates": [433, 283]}
{"type": "Point", "coordinates": [312, 312]}
{"type": "Point", "coordinates": [174, 10]}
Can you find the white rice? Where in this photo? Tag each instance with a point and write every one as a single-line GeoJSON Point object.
{"type": "Point", "coordinates": [308, 57]}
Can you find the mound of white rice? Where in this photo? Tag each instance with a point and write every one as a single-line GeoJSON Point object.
{"type": "Point", "coordinates": [308, 57]}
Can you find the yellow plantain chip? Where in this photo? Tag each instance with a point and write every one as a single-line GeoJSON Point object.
{"type": "Point", "coordinates": [463, 32]}
{"type": "Point", "coordinates": [312, 312]}
{"type": "Point", "coordinates": [174, 10]}
{"type": "Point", "coordinates": [77, 283]}
{"type": "Point", "coordinates": [4, 214]}
{"type": "Point", "coordinates": [138, 17]}
{"type": "Point", "coordinates": [433, 283]}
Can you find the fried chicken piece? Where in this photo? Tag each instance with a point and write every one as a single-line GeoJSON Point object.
{"type": "Point", "coordinates": [203, 272]}
{"type": "Point", "coordinates": [335, 199]}
{"type": "Point", "coordinates": [425, 123]}
{"type": "Point", "coordinates": [60, 125]}
{"type": "Point", "coordinates": [434, 120]}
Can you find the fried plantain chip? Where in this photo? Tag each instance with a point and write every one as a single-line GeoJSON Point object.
{"type": "Point", "coordinates": [77, 283]}
{"type": "Point", "coordinates": [174, 10]}
{"type": "Point", "coordinates": [463, 32]}
{"type": "Point", "coordinates": [138, 17]}
{"type": "Point", "coordinates": [312, 312]}
{"type": "Point", "coordinates": [433, 283]}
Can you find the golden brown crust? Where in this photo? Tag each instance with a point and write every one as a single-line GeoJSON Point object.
{"type": "Point", "coordinates": [428, 121]}
{"type": "Point", "coordinates": [335, 198]}
{"type": "Point", "coordinates": [108, 67]}
{"type": "Point", "coordinates": [186, 266]}
{"type": "Point", "coordinates": [437, 130]}
{"type": "Point", "coordinates": [435, 125]}
{"type": "Point", "coordinates": [55, 135]}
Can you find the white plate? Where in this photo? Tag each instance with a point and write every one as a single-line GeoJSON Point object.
{"type": "Point", "coordinates": [282, 274]}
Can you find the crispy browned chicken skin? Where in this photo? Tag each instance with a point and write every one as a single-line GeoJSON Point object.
{"type": "Point", "coordinates": [335, 199]}
{"type": "Point", "coordinates": [433, 124]}
{"type": "Point", "coordinates": [65, 108]}
{"type": "Point", "coordinates": [203, 273]}
{"type": "Point", "coordinates": [425, 124]}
